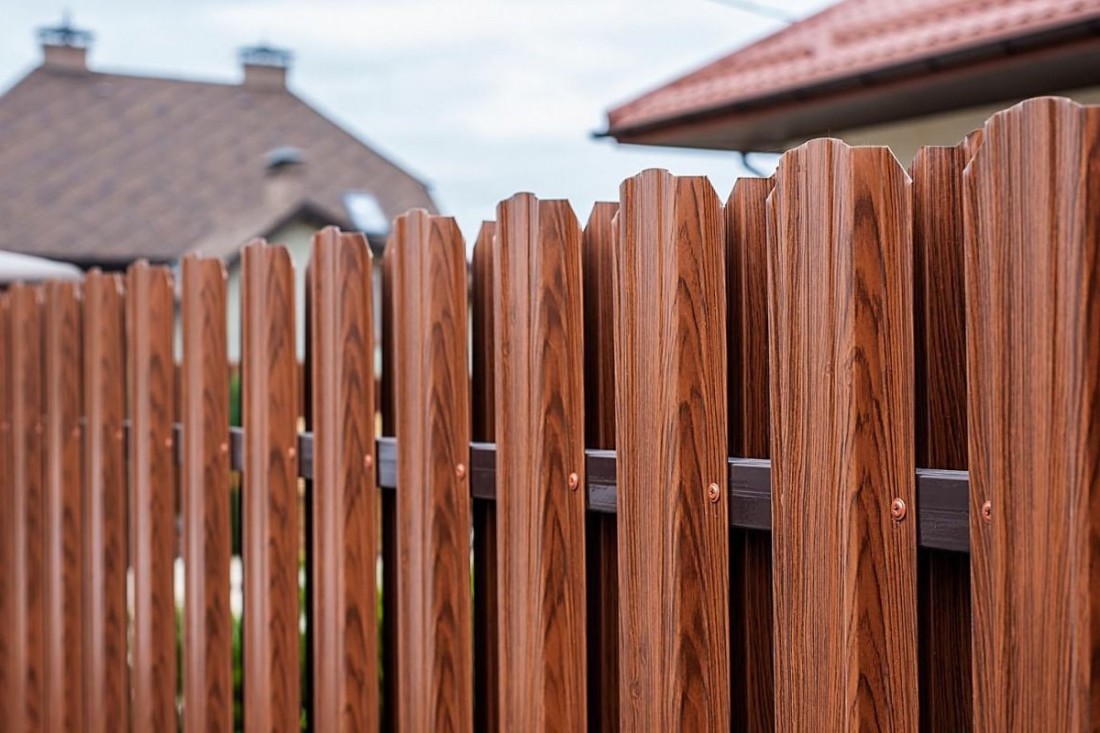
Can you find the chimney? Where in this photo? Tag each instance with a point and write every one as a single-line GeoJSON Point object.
{"type": "Point", "coordinates": [65, 47]}
{"type": "Point", "coordinates": [265, 67]}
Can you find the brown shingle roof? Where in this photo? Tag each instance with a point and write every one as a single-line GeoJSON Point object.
{"type": "Point", "coordinates": [850, 41]}
{"type": "Point", "coordinates": [106, 168]}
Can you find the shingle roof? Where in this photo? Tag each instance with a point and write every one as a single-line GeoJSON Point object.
{"type": "Point", "coordinates": [845, 41]}
{"type": "Point", "coordinates": [106, 168]}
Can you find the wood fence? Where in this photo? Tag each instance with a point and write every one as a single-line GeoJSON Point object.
{"type": "Point", "coordinates": [826, 457]}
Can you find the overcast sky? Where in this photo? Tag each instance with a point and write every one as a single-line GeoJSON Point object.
{"type": "Point", "coordinates": [480, 98]}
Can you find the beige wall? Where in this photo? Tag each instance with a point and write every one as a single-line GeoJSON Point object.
{"type": "Point", "coordinates": [908, 136]}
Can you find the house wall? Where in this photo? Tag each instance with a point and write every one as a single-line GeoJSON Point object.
{"type": "Point", "coordinates": [908, 136]}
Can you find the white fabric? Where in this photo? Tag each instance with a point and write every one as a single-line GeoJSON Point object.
{"type": "Point", "coordinates": [15, 267]}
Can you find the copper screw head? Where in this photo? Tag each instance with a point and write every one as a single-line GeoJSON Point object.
{"type": "Point", "coordinates": [223, 447]}
{"type": "Point", "coordinates": [291, 452]}
{"type": "Point", "coordinates": [713, 493]}
{"type": "Point", "coordinates": [987, 512]}
{"type": "Point", "coordinates": [368, 461]}
{"type": "Point", "coordinates": [460, 471]}
{"type": "Point", "coordinates": [574, 481]}
{"type": "Point", "coordinates": [168, 442]}
{"type": "Point", "coordinates": [898, 509]}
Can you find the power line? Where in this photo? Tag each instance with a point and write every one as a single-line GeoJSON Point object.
{"type": "Point", "coordinates": [760, 9]}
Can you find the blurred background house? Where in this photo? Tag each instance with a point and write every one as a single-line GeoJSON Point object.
{"type": "Point", "coordinates": [902, 74]}
{"type": "Point", "coordinates": [100, 169]}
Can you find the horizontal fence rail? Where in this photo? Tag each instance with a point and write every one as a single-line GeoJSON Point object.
{"type": "Point", "coordinates": [943, 514]}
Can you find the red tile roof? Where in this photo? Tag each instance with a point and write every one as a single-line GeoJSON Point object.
{"type": "Point", "coordinates": [105, 168]}
{"type": "Point", "coordinates": [845, 41]}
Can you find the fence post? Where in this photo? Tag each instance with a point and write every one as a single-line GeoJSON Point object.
{"type": "Point", "coordinates": [204, 484]}
{"type": "Point", "coordinates": [435, 640]}
{"type": "Point", "coordinates": [670, 388]}
{"type": "Point", "coordinates": [940, 388]}
{"type": "Point", "coordinates": [106, 679]}
{"type": "Point", "coordinates": [597, 250]}
{"type": "Point", "coordinates": [751, 634]}
{"type": "Point", "coordinates": [270, 406]}
{"type": "Point", "coordinates": [62, 511]}
{"type": "Point", "coordinates": [345, 497]}
{"type": "Point", "coordinates": [483, 414]}
{"type": "Point", "coordinates": [843, 511]}
{"type": "Point", "coordinates": [149, 325]}
{"type": "Point", "coordinates": [1033, 349]}
{"type": "Point", "coordinates": [540, 464]}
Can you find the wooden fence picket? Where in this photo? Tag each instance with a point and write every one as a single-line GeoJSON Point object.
{"type": "Point", "coordinates": [269, 409]}
{"type": "Point", "coordinates": [841, 360]}
{"type": "Point", "coordinates": [204, 486]}
{"type": "Point", "coordinates": [345, 501]}
{"type": "Point", "coordinates": [1033, 350]}
{"type": "Point", "coordinates": [602, 540]}
{"type": "Point", "coordinates": [431, 397]}
{"type": "Point", "coordinates": [28, 474]}
{"type": "Point", "coordinates": [483, 415]}
{"type": "Point", "coordinates": [751, 613]}
{"type": "Point", "coordinates": [106, 668]}
{"type": "Point", "coordinates": [670, 388]}
{"type": "Point", "coordinates": [8, 519]}
{"type": "Point", "coordinates": [390, 562]}
{"type": "Point", "coordinates": [149, 324]}
{"type": "Point", "coordinates": [940, 389]}
{"type": "Point", "coordinates": [540, 465]}
{"type": "Point", "coordinates": [64, 488]}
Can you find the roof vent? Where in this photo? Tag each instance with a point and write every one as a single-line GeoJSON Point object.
{"type": "Point", "coordinates": [64, 46]}
{"type": "Point", "coordinates": [282, 157]}
{"type": "Point", "coordinates": [265, 66]}
{"type": "Point", "coordinates": [366, 212]}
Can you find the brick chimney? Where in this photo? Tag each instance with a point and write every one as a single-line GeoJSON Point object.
{"type": "Point", "coordinates": [64, 47]}
{"type": "Point", "coordinates": [265, 67]}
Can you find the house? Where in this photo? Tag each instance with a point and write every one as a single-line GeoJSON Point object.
{"type": "Point", "coordinates": [100, 169]}
{"type": "Point", "coordinates": [904, 74]}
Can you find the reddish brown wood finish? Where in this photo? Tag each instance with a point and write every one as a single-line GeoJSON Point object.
{"type": "Point", "coordinates": [62, 591]}
{"type": "Point", "coordinates": [28, 473]}
{"type": "Point", "coordinates": [940, 350]}
{"type": "Point", "coordinates": [272, 694]}
{"type": "Point", "coordinates": [670, 356]}
{"type": "Point", "coordinates": [433, 506]}
{"type": "Point", "coordinates": [1033, 329]}
{"type": "Point", "coordinates": [540, 465]}
{"type": "Point", "coordinates": [345, 500]}
{"type": "Point", "coordinates": [207, 625]}
{"type": "Point", "coordinates": [840, 306]}
{"type": "Point", "coordinates": [597, 251]}
{"type": "Point", "coordinates": [390, 662]}
{"type": "Point", "coordinates": [751, 632]}
{"type": "Point", "coordinates": [149, 326]}
{"type": "Point", "coordinates": [8, 519]}
{"type": "Point", "coordinates": [106, 678]}
{"type": "Point", "coordinates": [483, 414]}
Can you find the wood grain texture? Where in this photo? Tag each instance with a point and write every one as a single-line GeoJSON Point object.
{"type": "Point", "coordinates": [270, 405]}
{"type": "Point", "coordinates": [8, 519]}
{"type": "Point", "coordinates": [390, 562]}
{"type": "Point", "coordinates": [63, 584]}
{"type": "Point", "coordinates": [670, 388]}
{"type": "Point", "coordinates": [149, 325]}
{"type": "Point", "coordinates": [106, 668]}
{"type": "Point", "coordinates": [204, 484]}
{"type": "Point", "coordinates": [539, 329]}
{"type": "Point", "coordinates": [483, 415]}
{"type": "Point", "coordinates": [597, 253]}
{"type": "Point", "coordinates": [1033, 348]}
{"type": "Point", "coordinates": [345, 498]}
{"type": "Point", "coordinates": [431, 398]}
{"type": "Point", "coordinates": [28, 475]}
{"type": "Point", "coordinates": [940, 389]}
{"type": "Point", "coordinates": [841, 360]}
{"type": "Point", "coordinates": [751, 631]}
